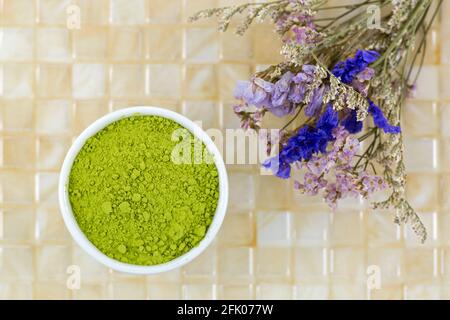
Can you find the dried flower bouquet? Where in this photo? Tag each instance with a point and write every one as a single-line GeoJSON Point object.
{"type": "Point", "coordinates": [347, 71]}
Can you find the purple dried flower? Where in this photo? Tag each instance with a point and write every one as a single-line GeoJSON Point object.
{"type": "Point", "coordinates": [350, 149]}
{"type": "Point", "coordinates": [366, 75]}
{"type": "Point", "coordinates": [346, 184]}
{"type": "Point", "coordinates": [281, 90]}
{"type": "Point", "coordinates": [315, 106]}
{"type": "Point", "coordinates": [312, 184]}
{"type": "Point", "coordinates": [297, 93]}
{"type": "Point", "coordinates": [368, 183]}
{"type": "Point", "coordinates": [320, 165]}
{"type": "Point", "coordinates": [332, 195]}
{"type": "Point", "coordinates": [256, 92]}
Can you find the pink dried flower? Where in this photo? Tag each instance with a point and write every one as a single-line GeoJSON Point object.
{"type": "Point", "coordinates": [319, 165]}
{"type": "Point", "coordinates": [347, 184]}
{"type": "Point", "coordinates": [312, 184]}
{"type": "Point", "coordinates": [332, 195]}
{"type": "Point", "coordinates": [350, 149]}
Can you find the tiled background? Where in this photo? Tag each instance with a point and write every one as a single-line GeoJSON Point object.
{"type": "Point", "coordinates": [274, 244]}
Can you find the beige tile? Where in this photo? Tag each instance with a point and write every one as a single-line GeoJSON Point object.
{"type": "Point", "coordinates": [164, 80]}
{"type": "Point", "coordinates": [52, 262]}
{"type": "Point", "coordinates": [51, 291]}
{"type": "Point", "coordinates": [128, 12]}
{"type": "Point", "coordinates": [196, 5]}
{"type": "Point", "coordinates": [427, 160]}
{"type": "Point", "coordinates": [199, 291]}
{"type": "Point", "coordinates": [50, 225]}
{"type": "Point", "coordinates": [126, 44]}
{"type": "Point", "coordinates": [273, 264]}
{"type": "Point", "coordinates": [311, 265]}
{"type": "Point", "coordinates": [129, 290]}
{"type": "Point", "coordinates": [229, 74]}
{"type": "Point", "coordinates": [312, 292]}
{"type": "Point", "coordinates": [428, 83]}
{"type": "Point", "coordinates": [274, 291]}
{"type": "Point", "coordinates": [20, 12]}
{"type": "Point", "coordinates": [89, 80]}
{"type": "Point", "coordinates": [47, 110]}
{"type": "Point", "coordinates": [241, 183]}
{"type": "Point", "coordinates": [444, 190]}
{"type": "Point", "coordinates": [422, 192]}
{"type": "Point", "coordinates": [237, 229]}
{"type": "Point", "coordinates": [347, 291]}
{"type": "Point", "coordinates": [19, 151]}
{"type": "Point", "coordinates": [389, 262]}
{"type": "Point", "coordinates": [430, 221]}
{"type": "Point", "coordinates": [18, 80]}
{"type": "Point", "coordinates": [53, 45]}
{"type": "Point", "coordinates": [348, 264]}
{"type": "Point", "coordinates": [173, 276]}
{"type": "Point", "coordinates": [347, 229]}
{"type": "Point", "coordinates": [16, 187]}
{"type": "Point", "coordinates": [94, 13]}
{"type": "Point", "coordinates": [421, 264]}
{"type": "Point", "coordinates": [53, 12]}
{"type": "Point", "coordinates": [92, 271]}
{"type": "Point", "coordinates": [16, 291]}
{"type": "Point", "coordinates": [16, 263]}
{"type": "Point", "coordinates": [387, 293]}
{"type": "Point", "coordinates": [445, 44]}
{"type": "Point", "coordinates": [235, 264]}
{"type": "Point", "coordinates": [47, 187]}
{"type": "Point", "coordinates": [163, 42]}
{"type": "Point", "coordinates": [128, 80]}
{"type": "Point", "coordinates": [17, 115]}
{"type": "Point", "coordinates": [163, 291]}
{"type": "Point", "coordinates": [236, 48]}
{"type": "Point", "coordinates": [445, 119]}
{"type": "Point", "coordinates": [17, 224]}
{"type": "Point", "coordinates": [202, 45]}
{"type": "Point", "coordinates": [201, 82]}
{"type": "Point", "coordinates": [90, 292]}
{"type": "Point", "coordinates": [266, 45]}
{"type": "Point", "coordinates": [422, 292]}
{"type": "Point", "coordinates": [444, 82]}
{"type": "Point", "coordinates": [233, 292]}
{"type": "Point", "coordinates": [207, 112]}
{"type": "Point", "coordinates": [204, 266]}
{"type": "Point", "coordinates": [273, 229]}
{"type": "Point", "coordinates": [17, 44]}
{"type": "Point", "coordinates": [272, 193]}
{"type": "Point", "coordinates": [51, 151]}
{"type": "Point", "coordinates": [87, 111]}
{"type": "Point", "coordinates": [90, 44]}
{"type": "Point", "coordinates": [162, 11]}
{"type": "Point", "coordinates": [54, 81]}
{"type": "Point", "coordinates": [420, 118]}
{"type": "Point", "coordinates": [311, 228]}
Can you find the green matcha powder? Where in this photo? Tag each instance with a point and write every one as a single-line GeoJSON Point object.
{"type": "Point", "coordinates": [132, 201]}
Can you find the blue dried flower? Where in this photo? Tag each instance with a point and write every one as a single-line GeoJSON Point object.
{"type": "Point", "coordinates": [380, 120]}
{"type": "Point", "coordinates": [278, 166]}
{"type": "Point", "coordinates": [304, 144]}
{"type": "Point", "coordinates": [351, 123]}
{"type": "Point", "coordinates": [348, 69]}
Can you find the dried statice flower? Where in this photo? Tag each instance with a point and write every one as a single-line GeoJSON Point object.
{"type": "Point", "coordinates": [342, 82]}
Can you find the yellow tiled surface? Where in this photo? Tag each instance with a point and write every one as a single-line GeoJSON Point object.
{"type": "Point", "coordinates": [54, 81]}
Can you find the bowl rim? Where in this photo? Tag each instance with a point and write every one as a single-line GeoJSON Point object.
{"type": "Point", "coordinates": [66, 209]}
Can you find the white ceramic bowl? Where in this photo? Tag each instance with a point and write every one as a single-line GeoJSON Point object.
{"type": "Point", "coordinates": [71, 222]}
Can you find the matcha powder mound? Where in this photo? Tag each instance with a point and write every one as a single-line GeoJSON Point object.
{"type": "Point", "coordinates": [132, 201]}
